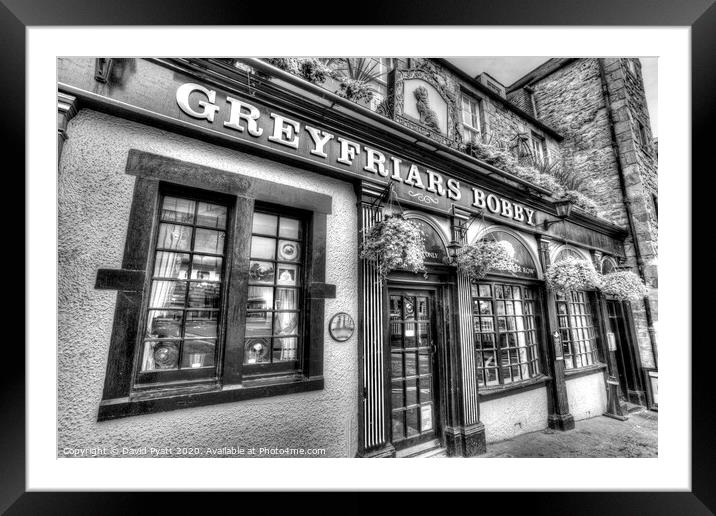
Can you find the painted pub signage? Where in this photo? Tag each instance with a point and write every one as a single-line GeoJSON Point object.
{"type": "Point", "coordinates": [414, 183]}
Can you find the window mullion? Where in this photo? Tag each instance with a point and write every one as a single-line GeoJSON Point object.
{"type": "Point", "coordinates": [237, 287]}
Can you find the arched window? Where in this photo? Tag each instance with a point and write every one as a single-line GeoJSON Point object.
{"type": "Point", "coordinates": [506, 320]}
{"type": "Point", "coordinates": [435, 251]}
{"type": "Point", "coordinates": [520, 254]}
{"type": "Point", "coordinates": [608, 265]}
{"type": "Point", "coordinates": [576, 322]}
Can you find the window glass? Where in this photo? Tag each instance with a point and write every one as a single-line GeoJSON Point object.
{"type": "Point", "coordinates": [576, 327]}
{"type": "Point", "coordinates": [273, 320]}
{"type": "Point", "coordinates": [182, 323]}
{"type": "Point", "coordinates": [506, 333]}
{"type": "Point", "coordinates": [470, 118]}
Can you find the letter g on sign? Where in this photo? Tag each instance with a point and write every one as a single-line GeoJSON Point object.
{"type": "Point", "coordinates": [208, 108]}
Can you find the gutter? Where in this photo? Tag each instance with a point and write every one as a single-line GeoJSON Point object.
{"type": "Point", "coordinates": [627, 205]}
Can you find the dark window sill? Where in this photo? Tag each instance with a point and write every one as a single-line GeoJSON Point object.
{"type": "Point", "coordinates": [584, 371]}
{"type": "Point", "coordinates": [491, 393]}
{"type": "Point", "coordinates": [148, 403]}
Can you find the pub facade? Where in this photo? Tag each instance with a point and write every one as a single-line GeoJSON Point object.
{"type": "Point", "coordinates": [211, 288]}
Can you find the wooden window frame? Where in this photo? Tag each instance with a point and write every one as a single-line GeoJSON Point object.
{"type": "Point", "coordinates": [572, 330]}
{"type": "Point", "coordinates": [531, 348]}
{"type": "Point", "coordinates": [467, 128]}
{"type": "Point", "coordinates": [154, 173]}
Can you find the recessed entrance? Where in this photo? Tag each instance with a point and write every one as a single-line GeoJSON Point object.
{"type": "Point", "coordinates": [413, 346]}
{"type": "Point", "coordinates": [631, 389]}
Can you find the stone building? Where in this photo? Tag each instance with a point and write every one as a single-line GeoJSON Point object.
{"type": "Point", "coordinates": [211, 286]}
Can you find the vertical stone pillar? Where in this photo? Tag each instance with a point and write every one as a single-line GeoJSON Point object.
{"type": "Point", "coordinates": [559, 416]}
{"type": "Point", "coordinates": [66, 110]}
{"type": "Point", "coordinates": [468, 439]}
{"type": "Point", "coordinates": [375, 422]}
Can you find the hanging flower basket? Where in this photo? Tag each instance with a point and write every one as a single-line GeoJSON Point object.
{"type": "Point", "coordinates": [476, 260]}
{"type": "Point", "coordinates": [394, 243]}
{"type": "Point", "coordinates": [624, 285]}
{"type": "Point", "coordinates": [572, 274]}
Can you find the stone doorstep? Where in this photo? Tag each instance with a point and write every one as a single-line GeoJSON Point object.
{"type": "Point", "coordinates": [421, 451]}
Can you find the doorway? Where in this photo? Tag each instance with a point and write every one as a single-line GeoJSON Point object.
{"type": "Point", "coordinates": [413, 367]}
{"type": "Point", "coordinates": [626, 359]}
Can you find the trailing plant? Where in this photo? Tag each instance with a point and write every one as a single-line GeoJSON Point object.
{"type": "Point", "coordinates": [394, 243]}
{"type": "Point", "coordinates": [309, 68]}
{"type": "Point", "coordinates": [624, 285]}
{"type": "Point", "coordinates": [581, 201]}
{"type": "Point", "coordinates": [476, 260]}
{"type": "Point", "coordinates": [491, 153]}
{"type": "Point", "coordinates": [572, 274]}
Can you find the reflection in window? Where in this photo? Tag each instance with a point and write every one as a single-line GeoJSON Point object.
{"type": "Point", "coordinates": [183, 314]}
{"type": "Point", "coordinates": [505, 328]}
{"type": "Point", "coordinates": [576, 328]}
{"type": "Point", "coordinates": [273, 311]}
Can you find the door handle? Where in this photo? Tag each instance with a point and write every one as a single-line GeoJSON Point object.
{"type": "Point", "coordinates": [433, 349]}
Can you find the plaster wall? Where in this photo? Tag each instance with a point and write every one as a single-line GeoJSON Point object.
{"type": "Point", "coordinates": [587, 396]}
{"type": "Point", "coordinates": [94, 199]}
{"type": "Point", "coordinates": [510, 416]}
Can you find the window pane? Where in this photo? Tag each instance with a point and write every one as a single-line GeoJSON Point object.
{"type": "Point", "coordinates": [201, 324]}
{"type": "Point", "coordinates": [411, 392]}
{"type": "Point", "coordinates": [206, 268]}
{"type": "Point", "coordinates": [397, 394]}
{"type": "Point", "coordinates": [289, 228]}
{"type": "Point", "coordinates": [411, 416]}
{"type": "Point", "coordinates": [257, 350]}
{"type": "Point", "coordinates": [264, 248]}
{"type": "Point", "coordinates": [264, 224]}
{"type": "Point", "coordinates": [410, 364]}
{"type": "Point", "coordinates": [163, 324]}
{"type": "Point", "coordinates": [285, 349]}
{"type": "Point", "coordinates": [171, 265]}
{"type": "Point", "coordinates": [261, 272]}
{"type": "Point", "coordinates": [424, 363]}
{"type": "Point", "coordinates": [172, 236]}
{"type": "Point", "coordinates": [260, 298]}
{"type": "Point", "coordinates": [289, 251]}
{"type": "Point", "coordinates": [258, 324]}
{"type": "Point", "coordinates": [204, 295]}
{"type": "Point", "coordinates": [396, 364]}
{"type": "Point", "coordinates": [485, 291]}
{"type": "Point", "coordinates": [211, 215]}
{"type": "Point", "coordinates": [167, 294]}
{"type": "Point", "coordinates": [160, 355]}
{"type": "Point", "coordinates": [288, 275]}
{"type": "Point", "coordinates": [286, 299]}
{"type": "Point", "coordinates": [209, 241]}
{"type": "Point", "coordinates": [198, 353]}
{"type": "Point", "coordinates": [285, 323]}
{"type": "Point", "coordinates": [178, 210]}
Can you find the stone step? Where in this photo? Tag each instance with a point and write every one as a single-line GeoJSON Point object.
{"type": "Point", "coordinates": [628, 407]}
{"type": "Point", "coordinates": [422, 450]}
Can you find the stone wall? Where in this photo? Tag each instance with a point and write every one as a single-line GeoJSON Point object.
{"type": "Point", "coordinates": [572, 102]}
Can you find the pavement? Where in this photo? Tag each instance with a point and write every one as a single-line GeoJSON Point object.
{"type": "Point", "coordinates": [595, 437]}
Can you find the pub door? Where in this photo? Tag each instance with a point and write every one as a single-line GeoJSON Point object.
{"type": "Point", "coordinates": [626, 359]}
{"type": "Point", "coordinates": [413, 372]}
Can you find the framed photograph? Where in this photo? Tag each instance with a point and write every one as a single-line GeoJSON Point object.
{"type": "Point", "coordinates": [330, 133]}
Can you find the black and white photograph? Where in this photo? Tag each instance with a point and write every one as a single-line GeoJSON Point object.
{"type": "Point", "coordinates": [358, 257]}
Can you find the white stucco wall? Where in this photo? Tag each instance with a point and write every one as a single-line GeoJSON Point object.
{"type": "Point", "coordinates": [94, 202]}
{"type": "Point", "coordinates": [587, 396]}
{"type": "Point", "coordinates": [514, 415]}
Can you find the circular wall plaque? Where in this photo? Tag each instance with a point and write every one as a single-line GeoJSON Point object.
{"type": "Point", "coordinates": [341, 327]}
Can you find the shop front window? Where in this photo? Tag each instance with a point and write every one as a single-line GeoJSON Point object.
{"type": "Point", "coordinates": [505, 322]}
{"type": "Point", "coordinates": [273, 312]}
{"type": "Point", "coordinates": [576, 327]}
{"type": "Point", "coordinates": [184, 308]}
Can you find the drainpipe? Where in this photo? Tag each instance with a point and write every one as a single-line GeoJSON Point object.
{"type": "Point", "coordinates": [627, 205]}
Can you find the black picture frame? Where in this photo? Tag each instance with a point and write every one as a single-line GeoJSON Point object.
{"type": "Point", "coordinates": [700, 15]}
